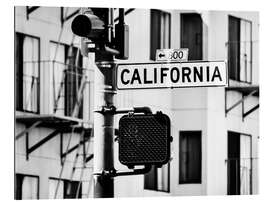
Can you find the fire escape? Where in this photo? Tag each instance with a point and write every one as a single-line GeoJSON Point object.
{"type": "Point", "coordinates": [66, 120]}
{"type": "Point", "coordinates": [245, 97]}
{"type": "Point", "coordinates": [246, 92]}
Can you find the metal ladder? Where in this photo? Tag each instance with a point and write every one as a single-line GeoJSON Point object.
{"type": "Point", "coordinates": [74, 114]}
{"type": "Point", "coordinates": [64, 161]}
{"type": "Point", "coordinates": [76, 167]}
{"type": "Point", "coordinates": [82, 167]}
{"type": "Point", "coordinates": [78, 96]}
{"type": "Point", "coordinates": [59, 94]}
{"type": "Point", "coordinates": [61, 88]}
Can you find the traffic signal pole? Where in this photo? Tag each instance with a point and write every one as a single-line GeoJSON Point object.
{"type": "Point", "coordinates": [104, 91]}
{"type": "Point", "coordinates": [97, 24]}
{"type": "Point", "coordinates": [103, 132]}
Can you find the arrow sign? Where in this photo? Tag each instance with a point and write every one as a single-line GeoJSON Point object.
{"type": "Point", "coordinates": [171, 75]}
{"type": "Point", "coordinates": [161, 55]}
{"type": "Point", "coordinates": [171, 54]}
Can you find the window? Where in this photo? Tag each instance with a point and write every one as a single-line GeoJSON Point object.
{"type": "Point", "coordinates": [240, 50]}
{"type": "Point", "coordinates": [66, 189]}
{"type": "Point", "coordinates": [239, 164]}
{"type": "Point", "coordinates": [190, 157]}
{"type": "Point", "coordinates": [66, 69]}
{"type": "Point", "coordinates": [191, 35]}
{"type": "Point", "coordinates": [73, 80]}
{"type": "Point", "coordinates": [27, 73]}
{"type": "Point", "coordinates": [160, 31]}
{"type": "Point", "coordinates": [158, 179]}
{"type": "Point", "coordinates": [26, 187]}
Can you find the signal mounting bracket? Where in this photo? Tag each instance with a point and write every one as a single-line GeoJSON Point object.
{"type": "Point", "coordinates": [114, 173]}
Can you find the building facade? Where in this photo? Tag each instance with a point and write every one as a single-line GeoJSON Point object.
{"type": "Point", "coordinates": [215, 130]}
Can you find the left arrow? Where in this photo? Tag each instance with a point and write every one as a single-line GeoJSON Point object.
{"type": "Point", "coordinates": [161, 55]}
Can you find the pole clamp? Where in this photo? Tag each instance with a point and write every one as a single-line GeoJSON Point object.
{"type": "Point", "coordinates": [106, 110]}
{"type": "Point", "coordinates": [114, 173]}
{"type": "Point", "coordinates": [106, 173]}
{"type": "Point", "coordinates": [130, 113]}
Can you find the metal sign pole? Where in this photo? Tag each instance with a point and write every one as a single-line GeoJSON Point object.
{"type": "Point", "coordinates": [103, 125]}
{"type": "Point", "coordinates": [103, 134]}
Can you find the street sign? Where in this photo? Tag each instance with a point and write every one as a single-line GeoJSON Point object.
{"type": "Point", "coordinates": [171, 54]}
{"type": "Point", "coordinates": [171, 75]}
{"type": "Point", "coordinates": [144, 139]}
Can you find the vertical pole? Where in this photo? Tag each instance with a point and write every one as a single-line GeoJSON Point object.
{"type": "Point", "coordinates": [103, 134]}
{"type": "Point", "coordinates": [237, 192]}
{"type": "Point", "coordinates": [27, 145]}
{"type": "Point", "coordinates": [251, 177]}
{"type": "Point", "coordinates": [104, 90]}
{"type": "Point", "coordinates": [228, 177]}
{"type": "Point", "coordinates": [243, 107]}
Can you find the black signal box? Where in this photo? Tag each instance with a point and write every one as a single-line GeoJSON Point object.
{"type": "Point", "coordinates": [144, 139]}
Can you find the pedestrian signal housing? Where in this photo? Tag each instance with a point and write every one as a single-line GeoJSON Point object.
{"type": "Point", "coordinates": [144, 139]}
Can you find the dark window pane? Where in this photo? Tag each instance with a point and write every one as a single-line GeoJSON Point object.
{"type": "Point", "coordinates": [150, 179]}
{"type": "Point", "coordinates": [158, 179]}
{"type": "Point", "coordinates": [191, 35]}
{"type": "Point", "coordinates": [190, 157]}
{"type": "Point", "coordinates": [70, 189]}
{"type": "Point", "coordinates": [19, 70]}
{"type": "Point", "coordinates": [18, 186]}
{"type": "Point", "coordinates": [160, 31]}
{"type": "Point", "coordinates": [234, 48]}
{"type": "Point", "coordinates": [26, 187]}
{"type": "Point", "coordinates": [233, 163]}
{"type": "Point", "coordinates": [154, 33]}
{"type": "Point", "coordinates": [27, 73]}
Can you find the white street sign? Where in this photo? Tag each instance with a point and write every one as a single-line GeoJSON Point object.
{"type": "Point", "coordinates": [171, 54]}
{"type": "Point", "coordinates": [171, 75]}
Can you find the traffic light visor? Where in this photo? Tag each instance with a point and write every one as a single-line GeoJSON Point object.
{"type": "Point", "coordinates": [89, 26]}
{"type": "Point", "coordinates": [81, 25]}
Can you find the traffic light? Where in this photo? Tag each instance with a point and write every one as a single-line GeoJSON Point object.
{"type": "Point", "coordinates": [97, 25]}
{"type": "Point", "coordinates": [144, 139]}
{"type": "Point", "coordinates": [89, 26]}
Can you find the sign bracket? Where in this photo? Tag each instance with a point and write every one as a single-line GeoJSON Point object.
{"type": "Point", "coordinates": [114, 173]}
{"type": "Point", "coordinates": [228, 109]}
{"type": "Point", "coordinates": [114, 110]}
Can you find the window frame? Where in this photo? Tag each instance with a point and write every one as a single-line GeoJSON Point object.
{"type": "Point", "coordinates": [64, 184]}
{"type": "Point", "coordinates": [192, 181]}
{"type": "Point", "coordinates": [182, 34]}
{"type": "Point", "coordinates": [240, 133]}
{"type": "Point", "coordinates": [238, 79]}
{"type": "Point", "coordinates": [156, 179]}
{"type": "Point", "coordinates": [21, 107]}
{"type": "Point", "coordinates": [25, 175]}
{"type": "Point", "coordinates": [160, 14]}
{"type": "Point", "coordinates": [66, 48]}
